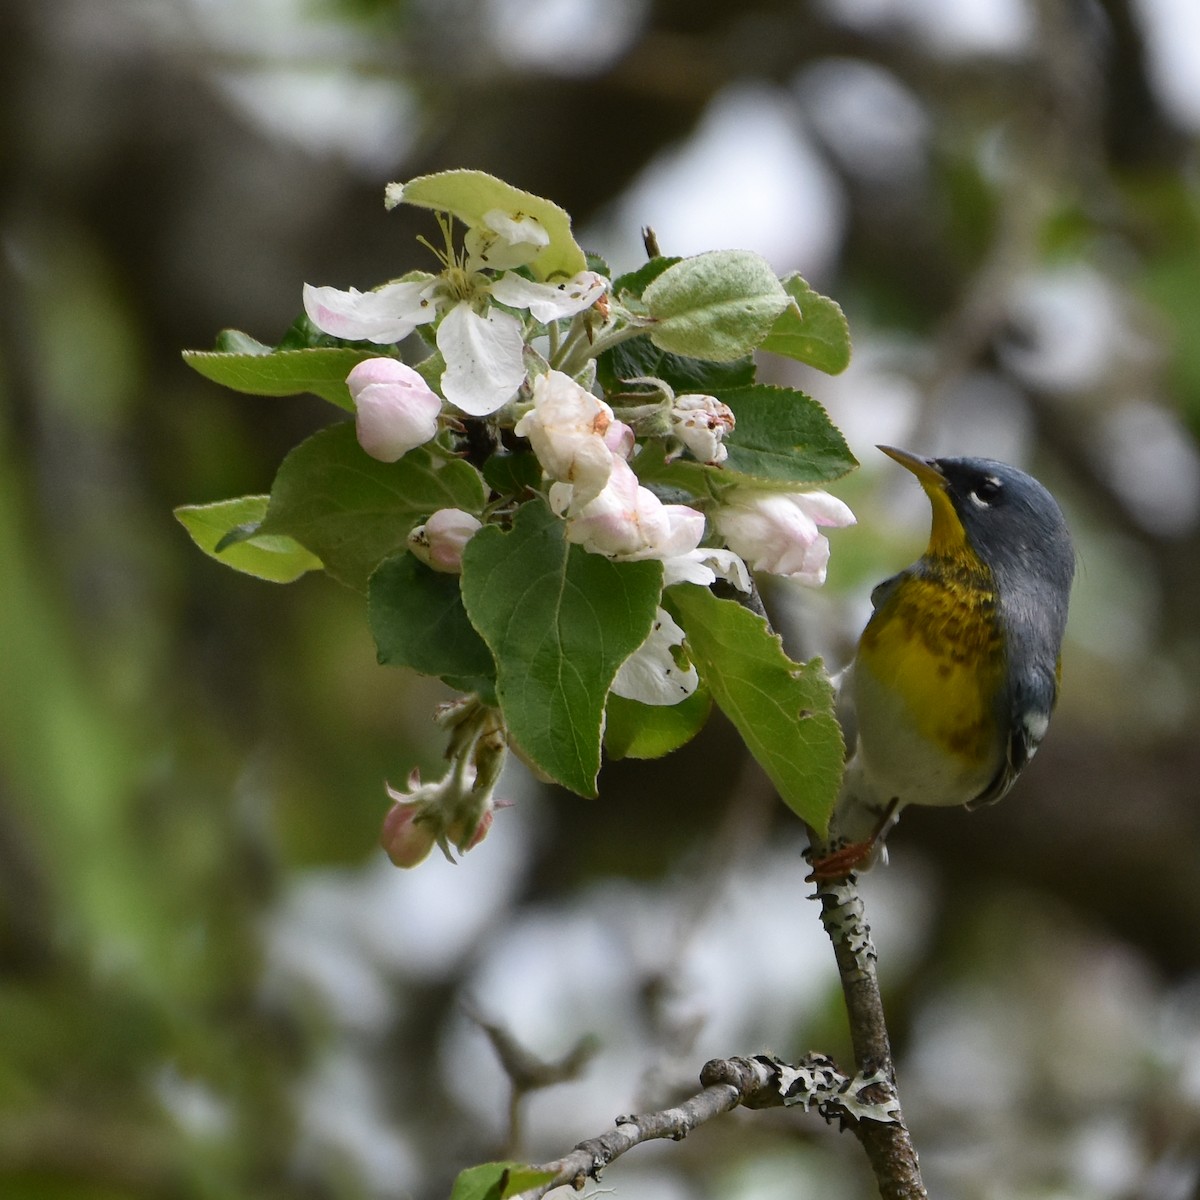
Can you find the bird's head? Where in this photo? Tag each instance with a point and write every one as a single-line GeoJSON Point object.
{"type": "Point", "coordinates": [990, 511]}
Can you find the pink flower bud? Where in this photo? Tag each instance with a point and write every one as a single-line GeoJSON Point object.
{"type": "Point", "coordinates": [440, 541]}
{"type": "Point", "coordinates": [395, 409]}
{"type": "Point", "coordinates": [406, 840]}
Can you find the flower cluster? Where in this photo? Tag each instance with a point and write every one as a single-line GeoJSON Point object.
{"type": "Point", "coordinates": [538, 413]}
{"type": "Point", "coordinates": [454, 812]}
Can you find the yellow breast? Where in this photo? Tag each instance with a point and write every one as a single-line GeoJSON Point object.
{"type": "Point", "coordinates": [929, 668]}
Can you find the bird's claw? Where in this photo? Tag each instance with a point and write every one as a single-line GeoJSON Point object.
{"type": "Point", "coordinates": [840, 863]}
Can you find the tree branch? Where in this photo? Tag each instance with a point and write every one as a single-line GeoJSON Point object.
{"type": "Point", "coordinates": [814, 1083]}
{"type": "Point", "coordinates": [888, 1145]}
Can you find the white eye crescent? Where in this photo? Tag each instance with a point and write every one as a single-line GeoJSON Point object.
{"type": "Point", "coordinates": [986, 493]}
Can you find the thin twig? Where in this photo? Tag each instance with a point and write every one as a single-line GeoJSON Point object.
{"type": "Point", "coordinates": [527, 1072]}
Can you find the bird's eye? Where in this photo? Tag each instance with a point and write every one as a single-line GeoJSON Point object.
{"type": "Point", "coordinates": [986, 492]}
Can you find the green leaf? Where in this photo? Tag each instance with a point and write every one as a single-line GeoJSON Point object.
{"type": "Point", "coordinates": [812, 329]}
{"type": "Point", "coordinates": [513, 474]}
{"type": "Point", "coordinates": [636, 730]}
{"type": "Point", "coordinates": [640, 357]}
{"type": "Point", "coordinates": [471, 195]}
{"type": "Point", "coordinates": [782, 709]}
{"type": "Point", "coordinates": [277, 559]}
{"type": "Point", "coordinates": [418, 620]}
{"type": "Point", "coordinates": [682, 480]}
{"type": "Point", "coordinates": [353, 511]}
{"type": "Point", "coordinates": [283, 372]}
{"type": "Point", "coordinates": [783, 436]}
{"type": "Point", "coordinates": [559, 622]}
{"type": "Point", "coordinates": [718, 305]}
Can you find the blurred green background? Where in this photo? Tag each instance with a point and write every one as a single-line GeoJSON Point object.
{"type": "Point", "coordinates": [210, 984]}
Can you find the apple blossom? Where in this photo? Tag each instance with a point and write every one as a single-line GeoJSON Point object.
{"type": "Point", "coordinates": [778, 532]}
{"type": "Point", "coordinates": [628, 522]}
{"type": "Point", "coordinates": [700, 423]}
{"type": "Point", "coordinates": [483, 345]}
{"type": "Point", "coordinates": [574, 435]}
{"type": "Point", "coordinates": [440, 541]}
{"type": "Point", "coordinates": [394, 408]}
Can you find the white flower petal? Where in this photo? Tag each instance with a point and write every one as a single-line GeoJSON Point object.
{"type": "Point", "coordinates": [485, 361]}
{"type": "Point", "coordinates": [386, 315]}
{"type": "Point", "coordinates": [559, 497]}
{"type": "Point", "coordinates": [549, 301]}
{"type": "Point", "coordinates": [705, 566]}
{"type": "Point", "coordinates": [504, 240]}
{"type": "Point", "coordinates": [650, 674]}
{"type": "Point", "coordinates": [517, 228]}
{"type": "Point", "coordinates": [825, 509]}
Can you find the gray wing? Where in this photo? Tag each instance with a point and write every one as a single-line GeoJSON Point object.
{"type": "Point", "coordinates": [1032, 699]}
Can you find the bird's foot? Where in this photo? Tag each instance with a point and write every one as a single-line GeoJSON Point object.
{"type": "Point", "coordinates": [845, 858]}
{"type": "Point", "coordinates": [840, 863]}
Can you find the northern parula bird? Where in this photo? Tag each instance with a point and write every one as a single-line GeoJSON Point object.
{"type": "Point", "coordinates": [957, 671]}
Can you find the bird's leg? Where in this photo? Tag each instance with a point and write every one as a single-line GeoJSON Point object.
{"type": "Point", "coordinates": [840, 863]}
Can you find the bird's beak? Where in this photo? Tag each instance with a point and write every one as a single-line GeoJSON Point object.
{"type": "Point", "coordinates": [925, 469]}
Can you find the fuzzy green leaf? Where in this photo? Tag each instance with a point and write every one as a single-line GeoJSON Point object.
{"type": "Point", "coordinates": [283, 372]}
{"type": "Point", "coordinates": [471, 195]}
{"type": "Point", "coordinates": [782, 709]}
{"type": "Point", "coordinates": [353, 511]}
{"type": "Point", "coordinates": [277, 559]}
{"type": "Point", "coordinates": [812, 329]}
{"type": "Point", "coordinates": [559, 623]}
{"type": "Point", "coordinates": [718, 305]}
